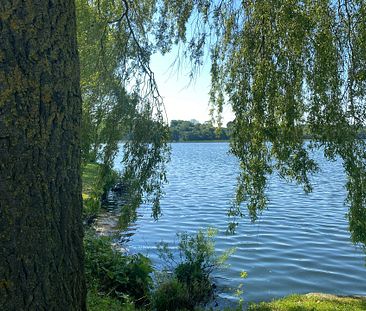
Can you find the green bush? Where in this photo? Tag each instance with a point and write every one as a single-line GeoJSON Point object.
{"type": "Point", "coordinates": [189, 284]}
{"type": "Point", "coordinates": [91, 208]}
{"type": "Point", "coordinates": [97, 179]}
{"type": "Point", "coordinates": [196, 280]}
{"type": "Point", "coordinates": [99, 302]}
{"type": "Point", "coordinates": [171, 295]}
{"type": "Point", "coordinates": [116, 274]}
{"type": "Point", "coordinates": [108, 177]}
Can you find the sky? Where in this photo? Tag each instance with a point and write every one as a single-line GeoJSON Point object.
{"type": "Point", "coordinates": [184, 100]}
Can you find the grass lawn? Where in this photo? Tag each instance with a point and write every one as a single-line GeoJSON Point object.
{"type": "Point", "coordinates": [92, 191]}
{"type": "Point", "coordinates": [89, 177]}
{"type": "Point", "coordinates": [312, 302]}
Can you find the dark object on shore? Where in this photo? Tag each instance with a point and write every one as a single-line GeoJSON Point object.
{"type": "Point", "coordinates": [119, 188]}
{"type": "Point", "coordinates": [104, 198]}
{"type": "Point", "coordinates": [89, 220]}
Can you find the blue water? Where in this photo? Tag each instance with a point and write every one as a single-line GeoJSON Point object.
{"type": "Point", "coordinates": [300, 244]}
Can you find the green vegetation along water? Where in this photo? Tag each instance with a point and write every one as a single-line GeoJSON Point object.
{"type": "Point", "coordinates": [300, 244]}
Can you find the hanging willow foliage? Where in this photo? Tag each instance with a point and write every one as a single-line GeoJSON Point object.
{"type": "Point", "coordinates": [284, 67]}
{"type": "Point", "coordinates": [121, 101]}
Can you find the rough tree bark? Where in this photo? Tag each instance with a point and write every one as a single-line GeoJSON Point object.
{"type": "Point", "coordinates": [41, 255]}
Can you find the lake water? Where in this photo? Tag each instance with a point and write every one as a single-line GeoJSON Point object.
{"type": "Point", "coordinates": [300, 244]}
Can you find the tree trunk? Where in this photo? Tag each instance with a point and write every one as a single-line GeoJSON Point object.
{"type": "Point", "coordinates": [41, 254]}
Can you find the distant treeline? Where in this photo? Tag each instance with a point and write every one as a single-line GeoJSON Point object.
{"type": "Point", "coordinates": [181, 130]}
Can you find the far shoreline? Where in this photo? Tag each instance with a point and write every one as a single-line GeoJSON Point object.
{"type": "Point", "coordinates": [200, 141]}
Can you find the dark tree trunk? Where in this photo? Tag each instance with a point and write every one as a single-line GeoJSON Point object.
{"type": "Point", "coordinates": [41, 255]}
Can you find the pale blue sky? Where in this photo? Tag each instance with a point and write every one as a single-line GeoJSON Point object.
{"type": "Point", "coordinates": [184, 100]}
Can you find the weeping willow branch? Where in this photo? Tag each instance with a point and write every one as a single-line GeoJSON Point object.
{"type": "Point", "coordinates": [285, 67]}
{"type": "Point", "coordinates": [121, 96]}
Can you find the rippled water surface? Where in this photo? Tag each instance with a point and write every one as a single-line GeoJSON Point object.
{"type": "Point", "coordinates": [299, 245]}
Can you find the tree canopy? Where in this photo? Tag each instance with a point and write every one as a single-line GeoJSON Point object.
{"type": "Point", "coordinates": [282, 66]}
